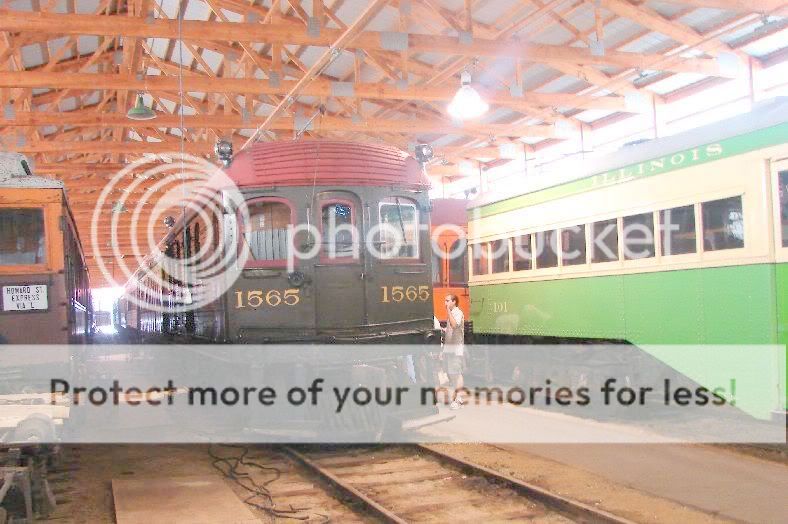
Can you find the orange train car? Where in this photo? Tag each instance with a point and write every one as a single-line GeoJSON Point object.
{"type": "Point", "coordinates": [44, 288]}
{"type": "Point", "coordinates": [449, 274]}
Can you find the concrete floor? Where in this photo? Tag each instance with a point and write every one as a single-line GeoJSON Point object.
{"type": "Point", "coordinates": [715, 480]}
{"type": "Point", "coordinates": [719, 481]}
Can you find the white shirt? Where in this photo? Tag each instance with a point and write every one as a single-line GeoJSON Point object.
{"type": "Point", "coordinates": [454, 339]}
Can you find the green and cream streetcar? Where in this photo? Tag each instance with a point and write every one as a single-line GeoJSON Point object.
{"type": "Point", "coordinates": [681, 240]}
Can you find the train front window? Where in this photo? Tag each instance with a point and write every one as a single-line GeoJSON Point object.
{"type": "Point", "coordinates": [399, 227]}
{"type": "Point", "coordinates": [22, 237]}
{"type": "Point", "coordinates": [783, 181]}
{"type": "Point", "coordinates": [267, 233]}
{"type": "Point", "coordinates": [723, 224]}
{"type": "Point", "coordinates": [338, 232]}
{"type": "Point", "coordinates": [437, 269]}
{"type": "Point", "coordinates": [458, 272]}
{"type": "Point", "coordinates": [678, 230]}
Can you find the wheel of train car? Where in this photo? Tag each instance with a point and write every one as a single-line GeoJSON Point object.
{"type": "Point", "coordinates": [35, 428]}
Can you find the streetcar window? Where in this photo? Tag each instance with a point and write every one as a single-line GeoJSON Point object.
{"type": "Point", "coordinates": [267, 232]}
{"type": "Point", "coordinates": [783, 182]}
{"type": "Point", "coordinates": [479, 254]}
{"type": "Point", "coordinates": [604, 241]}
{"type": "Point", "coordinates": [723, 224]}
{"type": "Point", "coordinates": [338, 237]}
{"type": "Point", "coordinates": [522, 253]}
{"type": "Point", "coordinates": [399, 227]}
{"type": "Point", "coordinates": [22, 236]}
{"type": "Point", "coordinates": [197, 239]}
{"type": "Point", "coordinates": [437, 269]}
{"type": "Point", "coordinates": [573, 246]}
{"type": "Point", "coordinates": [499, 252]}
{"type": "Point", "coordinates": [187, 242]}
{"type": "Point", "coordinates": [639, 236]}
{"type": "Point", "coordinates": [546, 247]}
{"type": "Point", "coordinates": [458, 272]}
{"type": "Point", "coordinates": [678, 230]}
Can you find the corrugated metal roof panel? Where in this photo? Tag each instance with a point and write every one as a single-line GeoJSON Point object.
{"type": "Point", "coordinates": [649, 43]}
{"type": "Point", "coordinates": [705, 18]}
{"type": "Point", "coordinates": [666, 9]}
{"type": "Point", "coordinates": [674, 82]}
{"type": "Point", "coordinates": [767, 45]}
{"type": "Point", "coordinates": [492, 11]}
{"type": "Point", "coordinates": [592, 115]}
{"type": "Point", "coordinates": [620, 30]}
{"type": "Point", "coordinates": [32, 56]}
{"type": "Point", "coordinates": [564, 84]}
{"type": "Point", "coordinates": [582, 18]}
{"type": "Point", "coordinates": [555, 35]}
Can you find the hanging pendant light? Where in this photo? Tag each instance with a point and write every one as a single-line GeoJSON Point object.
{"type": "Point", "coordinates": [467, 104]}
{"type": "Point", "coordinates": [140, 111]}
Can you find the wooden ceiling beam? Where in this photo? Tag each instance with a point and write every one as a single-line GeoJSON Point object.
{"type": "Point", "coordinates": [651, 19]}
{"type": "Point", "coordinates": [57, 146]}
{"type": "Point", "coordinates": [89, 118]}
{"type": "Point", "coordinates": [194, 148]}
{"type": "Point", "coordinates": [319, 88]}
{"type": "Point", "coordinates": [732, 5]}
{"type": "Point", "coordinates": [283, 33]}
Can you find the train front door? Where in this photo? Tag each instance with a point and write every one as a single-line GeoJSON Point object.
{"type": "Point", "coordinates": [339, 273]}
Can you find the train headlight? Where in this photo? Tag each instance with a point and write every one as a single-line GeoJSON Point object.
{"type": "Point", "coordinates": [224, 150]}
{"type": "Point", "coordinates": [424, 153]}
{"type": "Point", "coordinates": [296, 279]}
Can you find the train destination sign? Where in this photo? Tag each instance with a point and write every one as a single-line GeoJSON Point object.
{"type": "Point", "coordinates": [25, 297]}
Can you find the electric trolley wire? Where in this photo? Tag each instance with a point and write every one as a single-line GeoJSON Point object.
{"type": "Point", "coordinates": [182, 144]}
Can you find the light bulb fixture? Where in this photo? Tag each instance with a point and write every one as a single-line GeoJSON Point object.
{"type": "Point", "coordinates": [224, 150]}
{"type": "Point", "coordinates": [424, 153]}
{"type": "Point", "coordinates": [140, 111]}
{"type": "Point", "coordinates": [467, 104]}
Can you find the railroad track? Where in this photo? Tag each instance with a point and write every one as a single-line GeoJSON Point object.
{"type": "Point", "coordinates": [400, 484]}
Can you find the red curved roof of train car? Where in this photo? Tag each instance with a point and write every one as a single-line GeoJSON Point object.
{"type": "Point", "coordinates": [325, 163]}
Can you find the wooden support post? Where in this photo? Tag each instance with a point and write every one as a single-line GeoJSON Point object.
{"type": "Point", "coordinates": [469, 16]}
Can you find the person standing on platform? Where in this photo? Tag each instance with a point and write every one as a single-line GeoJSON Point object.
{"type": "Point", "coordinates": [454, 347]}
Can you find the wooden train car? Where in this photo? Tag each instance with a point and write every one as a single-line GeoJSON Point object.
{"type": "Point", "coordinates": [343, 293]}
{"type": "Point", "coordinates": [44, 285]}
{"type": "Point", "coordinates": [682, 240]}
{"type": "Point", "coordinates": [449, 263]}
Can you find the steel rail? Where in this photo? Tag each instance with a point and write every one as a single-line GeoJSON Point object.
{"type": "Point", "coordinates": [369, 505]}
{"type": "Point", "coordinates": [577, 510]}
{"type": "Point", "coordinates": [582, 512]}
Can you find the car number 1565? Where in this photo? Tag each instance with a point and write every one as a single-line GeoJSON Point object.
{"type": "Point", "coordinates": [273, 298]}
{"type": "Point", "coordinates": [400, 293]}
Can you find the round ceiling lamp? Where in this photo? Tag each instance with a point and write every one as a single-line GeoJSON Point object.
{"type": "Point", "coordinates": [140, 111]}
{"type": "Point", "coordinates": [467, 103]}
